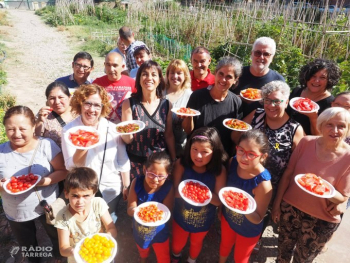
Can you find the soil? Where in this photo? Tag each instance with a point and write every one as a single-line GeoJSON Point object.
{"type": "Point", "coordinates": [37, 55]}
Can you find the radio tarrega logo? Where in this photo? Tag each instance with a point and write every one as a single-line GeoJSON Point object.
{"type": "Point", "coordinates": [14, 250]}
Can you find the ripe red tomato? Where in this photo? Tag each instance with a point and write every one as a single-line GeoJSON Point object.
{"type": "Point", "coordinates": [313, 183]}
{"type": "Point", "coordinates": [21, 183]}
{"type": "Point", "coordinates": [304, 104]}
{"type": "Point", "coordinates": [83, 138]}
{"type": "Point", "coordinates": [236, 200]}
{"type": "Point", "coordinates": [196, 192]}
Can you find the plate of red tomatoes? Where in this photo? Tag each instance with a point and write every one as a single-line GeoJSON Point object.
{"type": "Point", "coordinates": [303, 105]}
{"type": "Point", "coordinates": [251, 94]}
{"type": "Point", "coordinates": [183, 111]}
{"type": "Point", "coordinates": [314, 185]}
{"type": "Point", "coordinates": [82, 137]}
{"type": "Point", "coordinates": [236, 125]}
{"type": "Point", "coordinates": [17, 185]}
{"type": "Point", "coordinates": [130, 127]}
{"type": "Point", "coordinates": [237, 200]}
{"type": "Point", "coordinates": [195, 192]}
{"type": "Point", "coordinates": [152, 214]}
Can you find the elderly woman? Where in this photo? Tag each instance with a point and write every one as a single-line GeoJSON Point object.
{"type": "Point", "coordinates": [216, 102]}
{"type": "Point", "coordinates": [24, 153]}
{"type": "Point", "coordinates": [305, 220]}
{"type": "Point", "coordinates": [149, 106]}
{"type": "Point", "coordinates": [57, 112]}
{"type": "Point", "coordinates": [178, 91]}
{"type": "Point", "coordinates": [109, 158]}
{"type": "Point", "coordinates": [316, 82]}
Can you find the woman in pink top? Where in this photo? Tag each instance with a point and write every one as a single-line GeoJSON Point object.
{"type": "Point", "coordinates": [306, 222]}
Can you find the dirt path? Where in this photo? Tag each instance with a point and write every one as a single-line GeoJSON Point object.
{"type": "Point", "coordinates": [38, 54]}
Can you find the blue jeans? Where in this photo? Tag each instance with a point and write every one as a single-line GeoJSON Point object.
{"type": "Point", "coordinates": [113, 207]}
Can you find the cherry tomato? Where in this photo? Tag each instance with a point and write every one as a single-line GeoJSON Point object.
{"type": "Point", "coordinates": [196, 192]}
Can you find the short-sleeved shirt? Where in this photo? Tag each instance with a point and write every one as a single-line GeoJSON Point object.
{"type": "Point", "coordinates": [70, 81]}
{"type": "Point", "coordinates": [120, 90]}
{"type": "Point", "coordinates": [213, 113]}
{"type": "Point", "coordinates": [79, 230]}
{"type": "Point", "coordinates": [337, 172]}
{"type": "Point", "coordinates": [25, 207]}
{"type": "Point", "coordinates": [248, 80]}
{"type": "Point", "coordinates": [130, 59]}
{"type": "Point", "coordinates": [197, 84]}
{"type": "Point", "coordinates": [303, 119]}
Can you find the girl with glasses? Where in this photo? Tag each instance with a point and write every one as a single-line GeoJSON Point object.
{"type": "Point", "coordinates": [152, 186]}
{"type": "Point", "coordinates": [283, 133]}
{"type": "Point", "coordinates": [246, 172]}
{"type": "Point", "coordinates": [203, 160]}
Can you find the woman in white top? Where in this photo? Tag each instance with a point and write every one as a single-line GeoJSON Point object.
{"type": "Point", "coordinates": [91, 103]}
{"type": "Point", "coordinates": [178, 91]}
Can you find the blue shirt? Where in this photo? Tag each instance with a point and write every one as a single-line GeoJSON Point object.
{"type": "Point", "coordinates": [191, 218]}
{"type": "Point", "coordinates": [238, 222]}
{"type": "Point", "coordinates": [70, 81]}
{"type": "Point", "coordinates": [145, 236]}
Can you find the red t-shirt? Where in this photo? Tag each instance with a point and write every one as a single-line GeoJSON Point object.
{"type": "Point", "coordinates": [120, 90]}
{"type": "Point", "coordinates": [200, 84]}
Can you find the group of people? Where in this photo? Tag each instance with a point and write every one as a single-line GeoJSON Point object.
{"type": "Point", "coordinates": [149, 165]}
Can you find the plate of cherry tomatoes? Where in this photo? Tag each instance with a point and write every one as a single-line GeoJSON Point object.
{"type": "Point", "coordinates": [101, 246]}
{"type": "Point", "coordinates": [152, 214]}
{"type": "Point", "coordinates": [82, 137]}
{"type": "Point", "coordinates": [303, 105]}
{"type": "Point", "coordinates": [17, 185]}
{"type": "Point", "coordinates": [183, 111]}
{"type": "Point", "coordinates": [314, 185]}
{"type": "Point", "coordinates": [236, 125]}
{"type": "Point", "coordinates": [130, 127]}
{"type": "Point", "coordinates": [237, 200]}
{"type": "Point", "coordinates": [195, 192]}
{"type": "Point", "coordinates": [251, 94]}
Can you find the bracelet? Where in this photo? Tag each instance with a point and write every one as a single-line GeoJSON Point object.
{"type": "Point", "coordinates": [125, 187]}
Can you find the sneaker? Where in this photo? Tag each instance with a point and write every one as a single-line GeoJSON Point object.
{"type": "Point", "coordinates": [175, 259]}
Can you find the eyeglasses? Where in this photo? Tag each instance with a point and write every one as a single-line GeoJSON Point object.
{"type": "Point", "coordinates": [85, 68]}
{"type": "Point", "coordinates": [258, 54]}
{"type": "Point", "coordinates": [273, 102]}
{"type": "Point", "coordinates": [250, 155]}
{"type": "Point", "coordinates": [153, 176]}
{"type": "Point", "coordinates": [87, 105]}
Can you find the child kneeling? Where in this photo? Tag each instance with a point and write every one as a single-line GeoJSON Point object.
{"type": "Point", "coordinates": [85, 214]}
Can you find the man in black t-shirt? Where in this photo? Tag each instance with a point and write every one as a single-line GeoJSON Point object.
{"type": "Point", "coordinates": [258, 73]}
{"type": "Point", "coordinates": [216, 103]}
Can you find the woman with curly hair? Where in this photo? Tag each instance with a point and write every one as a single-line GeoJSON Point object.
{"type": "Point", "coordinates": [316, 79]}
{"type": "Point", "coordinates": [109, 158]}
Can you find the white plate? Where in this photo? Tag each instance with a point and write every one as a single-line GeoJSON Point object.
{"type": "Point", "coordinates": [160, 206]}
{"type": "Point", "coordinates": [247, 98]}
{"type": "Point", "coordinates": [182, 185]}
{"type": "Point", "coordinates": [291, 102]}
{"type": "Point", "coordinates": [225, 120]}
{"type": "Point", "coordinates": [78, 258]}
{"type": "Point", "coordinates": [331, 188]}
{"type": "Point", "coordinates": [197, 113]}
{"type": "Point", "coordinates": [140, 123]}
{"type": "Point", "coordinates": [18, 193]}
{"type": "Point", "coordinates": [251, 205]}
{"type": "Point", "coordinates": [85, 128]}
{"type": "Point", "coordinates": [110, 97]}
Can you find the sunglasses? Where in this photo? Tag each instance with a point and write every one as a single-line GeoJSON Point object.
{"type": "Point", "coordinates": [258, 54]}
